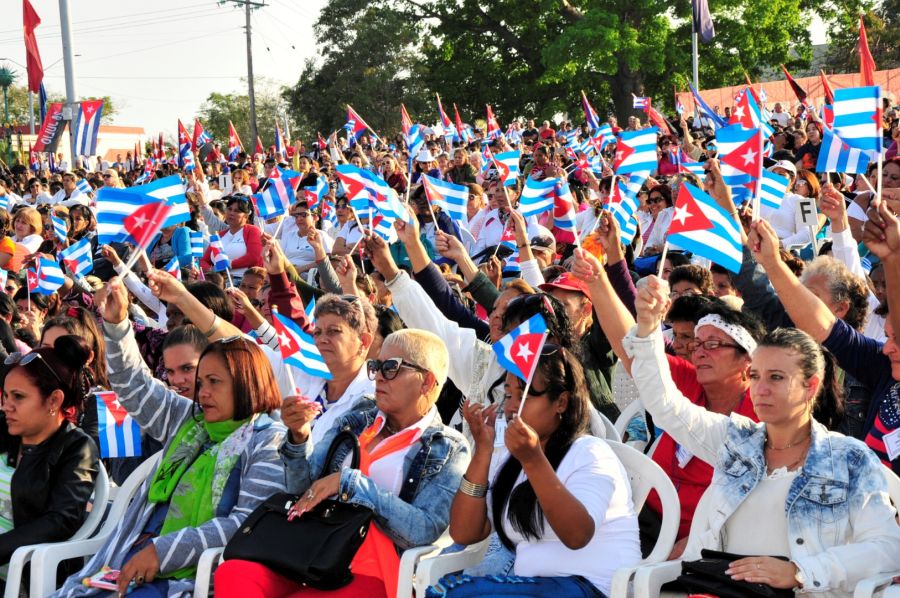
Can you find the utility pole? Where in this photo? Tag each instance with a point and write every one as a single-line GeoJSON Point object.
{"type": "Point", "coordinates": [69, 66]}
{"type": "Point", "coordinates": [248, 6]}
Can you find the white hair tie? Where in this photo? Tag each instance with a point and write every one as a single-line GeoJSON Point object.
{"type": "Point", "coordinates": [740, 335]}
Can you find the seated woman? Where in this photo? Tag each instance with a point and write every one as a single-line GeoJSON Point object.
{"type": "Point", "coordinates": [785, 486]}
{"type": "Point", "coordinates": [562, 497]}
{"type": "Point", "coordinates": [48, 465]}
{"type": "Point", "coordinates": [412, 465]}
{"type": "Point", "coordinates": [219, 458]}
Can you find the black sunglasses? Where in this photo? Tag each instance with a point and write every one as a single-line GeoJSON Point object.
{"type": "Point", "coordinates": [389, 368]}
{"type": "Point", "coordinates": [19, 358]}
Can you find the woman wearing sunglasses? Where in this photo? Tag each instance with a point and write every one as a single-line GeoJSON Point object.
{"type": "Point", "coordinates": [659, 206]}
{"type": "Point", "coordinates": [219, 460]}
{"type": "Point", "coordinates": [48, 465]}
{"type": "Point", "coordinates": [241, 239]}
{"type": "Point", "coordinates": [411, 466]}
{"type": "Point", "coordinates": [557, 497]}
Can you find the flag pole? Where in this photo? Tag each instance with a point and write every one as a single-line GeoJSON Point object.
{"type": "Point", "coordinates": [230, 280]}
{"type": "Point", "coordinates": [528, 382]}
{"type": "Point", "coordinates": [662, 258]}
{"type": "Point", "coordinates": [758, 190]}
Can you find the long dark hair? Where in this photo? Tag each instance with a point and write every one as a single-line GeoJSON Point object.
{"type": "Point", "coordinates": [563, 374]}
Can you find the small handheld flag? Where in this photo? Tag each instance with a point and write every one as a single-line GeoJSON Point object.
{"type": "Point", "coordinates": [507, 165]}
{"type": "Point", "coordinates": [174, 267]}
{"type": "Point", "coordinates": [234, 143]}
{"type": "Point", "coordinates": [86, 127]}
{"type": "Point", "coordinates": [49, 277]}
{"type": "Point", "coordinates": [298, 348]}
{"type": "Point", "coordinates": [519, 351]}
{"type": "Point", "coordinates": [60, 228]}
{"type": "Point", "coordinates": [774, 188]}
{"type": "Point", "coordinates": [836, 156]}
{"type": "Point", "coordinates": [119, 434]}
{"type": "Point", "coordinates": [448, 196]}
{"type": "Point", "coordinates": [701, 226]}
{"type": "Point", "coordinates": [196, 244]}
{"type": "Point", "coordinates": [217, 254]}
{"type": "Point", "coordinates": [636, 151]}
{"type": "Point", "coordinates": [77, 257]}
{"type": "Point", "coordinates": [537, 196]}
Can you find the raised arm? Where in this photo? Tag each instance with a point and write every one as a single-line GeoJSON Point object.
{"type": "Point", "coordinates": [882, 236]}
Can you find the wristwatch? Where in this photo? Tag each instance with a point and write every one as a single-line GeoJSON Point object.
{"type": "Point", "coordinates": [798, 576]}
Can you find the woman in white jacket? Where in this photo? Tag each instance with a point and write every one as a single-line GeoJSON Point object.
{"type": "Point", "coordinates": [785, 486]}
{"type": "Point", "coordinates": [659, 206]}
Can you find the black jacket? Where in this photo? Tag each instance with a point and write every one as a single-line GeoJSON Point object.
{"type": "Point", "coordinates": [50, 487]}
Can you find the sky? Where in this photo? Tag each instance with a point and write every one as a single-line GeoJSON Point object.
{"type": "Point", "coordinates": [160, 60]}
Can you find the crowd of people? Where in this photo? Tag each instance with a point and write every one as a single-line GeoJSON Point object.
{"type": "Point", "coordinates": [775, 390]}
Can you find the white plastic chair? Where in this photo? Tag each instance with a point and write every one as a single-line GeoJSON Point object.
{"type": "Point", "coordinates": [649, 579]}
{"type": "Point", "coordinates": [24, 554]}
{"type": "Point", "coordinates": [645, 475]}
{"type": "Point", "coordinates": [870, 585]}
{"type": "Point", "coordinates": [628, 414]}
{"type": "Point", "coordinates": [206, 567]}
{"type": "Point", "coordinates": [601, 427]}
{"type": "Point", "coordinates": [46, 558]}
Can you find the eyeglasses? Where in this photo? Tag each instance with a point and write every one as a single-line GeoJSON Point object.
{"type": "Point", "coordinates": [684, 293]}
{"type": "Point", "coordinates": [107, 176]}
{"type": "Point", "coordinates": [229, 339]}
{"type": "Point", "coordinates": [19, 358]}
{"type": "Point", "coordinates": [531, 300]}
{"type": "Point", "coordinates": [710, 345]}
{"type": "Point", "coordinates": [655, 199]}
{"type": "Point", "coordinates": [390, 368]}
{"type": "Point", "coordinates": [300, 214]}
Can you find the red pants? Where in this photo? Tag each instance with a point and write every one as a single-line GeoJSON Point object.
{"type": "Point", "coordinates": [244, 579]}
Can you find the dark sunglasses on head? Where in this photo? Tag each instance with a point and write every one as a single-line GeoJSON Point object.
{"type": "Point", "coordinates": [389, 368]}
{"type": "Point", "coordinates": [19, 358]}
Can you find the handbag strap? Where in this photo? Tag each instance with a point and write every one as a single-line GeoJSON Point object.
{"type": "Point", "coordinates": [342, 437]}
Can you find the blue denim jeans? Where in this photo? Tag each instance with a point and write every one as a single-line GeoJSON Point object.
{"type": "Point", "coordinates": [465, 586]}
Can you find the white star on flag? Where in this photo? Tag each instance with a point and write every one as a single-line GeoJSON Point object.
{"type": "Point", "coordinates": [285, 339]}
{"type": "Point", "coordinates": [139, 221]}
{"type": "Point", "coordinates": [739, 112]}
{"type": "Point", "coordinates": [524, 351]}
{"type": "Point", "coordinates": [681, 214]}
{"type": "Point", "coordinates": [749, 157]}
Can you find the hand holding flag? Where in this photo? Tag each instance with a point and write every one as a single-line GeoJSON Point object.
{"type": "Point", "coordinates": [519, 351]}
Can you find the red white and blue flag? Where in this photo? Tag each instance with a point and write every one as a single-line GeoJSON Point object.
{"type": "Point", "coordinates": [602, 137]}
{"type": "Point", "coordinates": [234, 143]}
{"type": "Point", "coordinates": [114, 206]}
{"type": "Point", "coordinates": [487, 159]}
{"type": "Point", "coordinates": [446, 124]}
{"type": "Point", "coordinates": [465, 131]}
{"type": "Point", "coordinates": [493, 127]}
{"type": "Point", "coordinates": [564, 208]}
{"type": "Point", "coordinates": [78, 258]}
{"type": "Point", "coordinates": [773, 189]}
{"type": "Point", "coordinates": [174, 267]}
{"type": "Point", "coordinates": [185, 148]}
{"type": "Point", "coordinates": [702, 227]}
{"type": "Point", "coordinates": [639, 103]}
{"type": "Point", "coordinates": [197, 247]}
{"type": "Point", "coordinates": [450, 197]}
{"type": "Point", "coordinates": [313, 195]}
{"type": "Point", "coordinates": [636, 151]}
{"type": "Point", "coordinates": [740, 159]}
{"type": "Point", "coordinates": [355, 126]}
{"type": "Point", "coordinates": [119, 434]}
{"type": "Point", "coordinates": [507, 165]}
{"type": "Point", "coordinates": [49, 276]}
{"type": "Point", "coordinates": [518, 352]}
{"type": "Point", "coordinates": [406, 122]}
{"type": "Point", "coordinates": [590, 115]}
{"type": "Point", "coordinates": [623, 204]}
{"type": "Point", "coordinates": [298, 348]}
{"type": "Point", "coordinates": [60, 228]}
{"type": "Point", "coordinates": [537, 196]}
{"type": "Point", "coordinates": [217, 254]}
{"type": "Point", "coordinates": [275, 199]}
{"type": "Point", "coordinates": [857, 118]}
{"type": "Point", "coordinates": [201, 137]}
{"type": "Point", "coordinates": [836, 156]}
{"type": "Point", "coordinates": [86, 127]}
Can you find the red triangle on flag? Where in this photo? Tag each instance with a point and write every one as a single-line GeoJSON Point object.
{"type": "Point", "coordinates": [746, 157]}
{"type": "Point", "coordinates": [524, 352]}
{"type": "Point", "coordinates": [622, 154]}
{"type": "Point", "coordinates": [144, 223]}
{"type": "Point", "coordinates": [114, 406]}
{"type": "Point", "coordinates": [688, 215]}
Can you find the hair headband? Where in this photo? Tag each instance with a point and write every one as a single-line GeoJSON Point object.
{"type": "Point", "coordinates": [736, 332]}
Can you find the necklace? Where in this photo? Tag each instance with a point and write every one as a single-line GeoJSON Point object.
{"type": "Point", "coordinates": [789, 445]}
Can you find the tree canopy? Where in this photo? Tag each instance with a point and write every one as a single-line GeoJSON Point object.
{"type": "Point", "coordinates": [18, 106]}
{"type": "Point", "coordinates": [219, 108]}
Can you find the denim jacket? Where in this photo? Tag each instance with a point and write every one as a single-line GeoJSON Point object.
{"type": "Point", "coordinates": [841, 523]}
{"type": "Point", "coordinates": [421, 513]}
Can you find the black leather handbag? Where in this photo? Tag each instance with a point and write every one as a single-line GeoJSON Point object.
{"type": "Point", "coordinates": [315, 549]}
{"type": "Point", "coordinates": [707, 576]}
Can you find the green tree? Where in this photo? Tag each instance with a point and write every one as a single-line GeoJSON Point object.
{"type": "Point", "coordinates": [220, 108]}
{"type": "Point", "coordinates": [882, 21]}
{"type": "Point", "coordinates": [18, 106]}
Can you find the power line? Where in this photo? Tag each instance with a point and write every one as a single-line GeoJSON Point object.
{"type": "Point", "coordinates": [181, 41]}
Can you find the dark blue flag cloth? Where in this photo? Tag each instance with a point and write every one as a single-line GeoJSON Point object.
{"type": "Point", "coordinates": [703, 23]}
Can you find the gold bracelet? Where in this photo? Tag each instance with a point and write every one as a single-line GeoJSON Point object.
{"type": "Point", "coordinates": [473, 490]}
{"type": "Point", "coordinates": [215, 326]}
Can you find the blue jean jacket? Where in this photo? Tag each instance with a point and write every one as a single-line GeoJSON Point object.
{"type": "Point", "coordinates": [421, 513]}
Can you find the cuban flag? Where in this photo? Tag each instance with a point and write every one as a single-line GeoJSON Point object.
{"type": "Point", "coordinates": [275, 199]}
{"type": "Point", "coordinates": [147, 174]}
{"type": "Point", "coordinates": [310, 310]}
{"type": "Point", "coordinates": [739, 159]}
{"type": "Point", "coordinates": [383, 226]}
{"type": "Point", "coordinates": [446, 123]}
{"type": "Point", "coordinates": [602, 137]}
{"type": "Point", "coordinates": [639, 103]}
{"type": "Point", "coordinates": [4, 202]}
{"type": "Point", "coordinates": [448, 196]}
{"type": "Point", "coordinates": [537, 196]}
{"type": "Point", "coordinates": [50, 276]}
{"type": "Point", "coordinates": [507, 165]}
{"type": "Point", "coordinates": [201, 137]}
{"type": "Point", "coordinates": [773, 189]}
{"type": "Point", "coordinates": [487, 159]}
{"type": "Point", "coordinates": [714, 119]}
{"type": "Point", "coordinates": [234, 143]}
{"type": "Point", "coordinates": [564, 208]}
{"type": "Point", "coordinates": [169, 190]}
{"type": "Point", "coordinates": [174, 267]}
{"type": "Point", "coordinates": [465, 131]}
{"type": "Point", "coordinates": [364, 186]}
{"type": "Point", "coordinates": [313, 195]}
{"type": "Point", "coordinates": [86, 127]}
{"type": "Point", "coordinates": [571, 137]}
{"type": "Point", "coordinates": [857, 118]}
{"type": "Point", "coordinates": [518, 352]}
{"type": "Point", "coordinates": [185, 148]}
{"type": "Point", "coordinates": [746, 111]}
{"type": "Point", "coordinates": [60, 228]}
{"type": "Point", "coordinates": [512, 266]}
{"type": "Point", "coordinates": [590, 115]}
{"type": "Point", "coordinates": [84, 187]}
{"type": "Point", "coordinates": [623, 204]}
{"type": "Point", "coordinates": [355, 126]}
{"type": "Point", "coordinates": [406, 122]}
{"type": "Point", "coordinates": [329, 213]}
{"type": "Point", "coordinates": [493, 127]}
{"type": "Point", "coordinates": [414, 140]}
{"type": "Point", "coordinates": [636, 151]}
{"type": "Point", "coordinates": [298, 348]}
{"type": "Point", "coordinates": [279, 142]}
{"type": "Point", "coordinates": [119, 434]}
{"type": "Point", "coordinates": [836, 156]}
{"type": "Point", "coordinates": [699, 225]}
{"type": "Point", "coordinates": [197, 247]}
{"type": "Point", "coordinates": [217, 254]}
{"type": "Point", "coordinates": [78, 258]}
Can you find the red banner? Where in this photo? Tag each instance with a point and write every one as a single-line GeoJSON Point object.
{"type": "Point", "coordinates": [51, 129]}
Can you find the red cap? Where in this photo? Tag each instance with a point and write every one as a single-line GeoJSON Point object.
{"type": "Point", "coordinates": [567, 282]}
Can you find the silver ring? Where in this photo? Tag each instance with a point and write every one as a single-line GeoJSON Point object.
{"type": "Point", "coordinates": [310, 495]}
